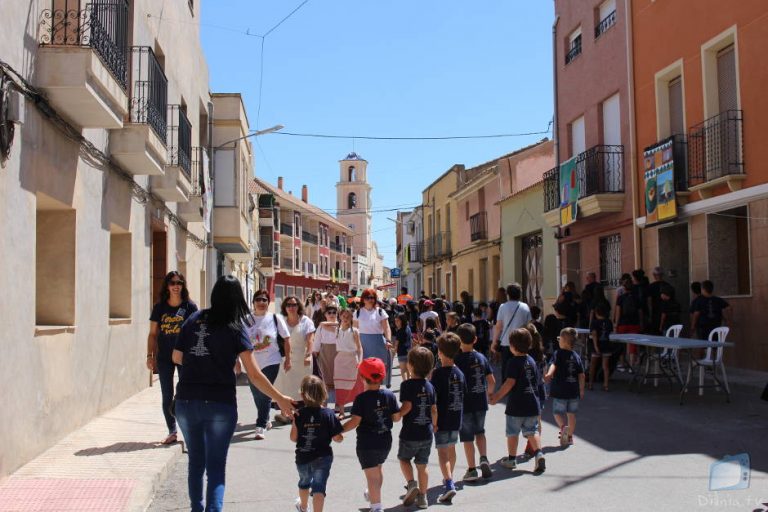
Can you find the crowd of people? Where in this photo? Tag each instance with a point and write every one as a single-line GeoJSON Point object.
{"type": "Point", "coordinates": [338, 349]}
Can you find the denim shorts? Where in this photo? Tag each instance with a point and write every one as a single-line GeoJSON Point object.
{"type": "Point", "coordinates": [402, 359]}
{"type": "Point", "coordinates": [472, 424]}
{"type": "Point", "coordinates": [564, 405]}
{"type": "Point", "coordinates": [372, 458]}
{"type": "Point", "coordinates": [445, 438]}
{"type": "Point", "coordinates": [314, 474]}
{"type": "Point", "coordinates": [417, 450]}
{"type": "Point", "coordinates": [529, 425]}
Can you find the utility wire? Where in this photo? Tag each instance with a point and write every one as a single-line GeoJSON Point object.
{"type": "Point", "coordinates": [447, 137]}
{"type": "Point", "coordinates": [302, 4]}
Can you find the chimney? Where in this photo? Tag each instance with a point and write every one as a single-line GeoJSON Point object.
{"type": "Point", "coordinates": [280, 182]}
{"type": "Point", "coordinates": [304, 194]}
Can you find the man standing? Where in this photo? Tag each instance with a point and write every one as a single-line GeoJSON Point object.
{"type": "Point", "coordinates": [404, 296]}
{"type": "Point", "coordinates": [587, 296]}
{"type": "Point", "coordinates": [711, 311]}
{"type": "Point", "coordinates": [654, 298]}
{"type": "Point", "coordinates": [512, 315]}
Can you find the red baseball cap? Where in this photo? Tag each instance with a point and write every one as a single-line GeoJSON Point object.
{"type": "Point", "coordinates": [372, 369]}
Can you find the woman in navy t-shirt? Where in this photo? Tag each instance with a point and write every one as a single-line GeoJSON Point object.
{"type": "Point", "coordinates": [173, 308]}
{"type": "Point", "coordinates": [210, 342]}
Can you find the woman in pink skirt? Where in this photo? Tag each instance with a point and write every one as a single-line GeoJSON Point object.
{"type": "Point", "coordinates": [349, 353]}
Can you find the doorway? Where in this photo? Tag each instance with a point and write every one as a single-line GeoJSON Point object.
{"type": "Point", "coordinates": [159, 263]}
{"type": "Point", "coordinates": [572, 264]}
{"type": "Point", "coordinates": [674, 259]}
{"type": "Point", "coordinates": [533, 277]}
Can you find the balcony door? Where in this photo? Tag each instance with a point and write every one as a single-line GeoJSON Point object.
{"type": "Point", "coordinates": [611, 137]}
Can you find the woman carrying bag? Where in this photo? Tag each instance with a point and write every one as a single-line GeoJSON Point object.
{"type": "Point", "coordinates": [375, 334]}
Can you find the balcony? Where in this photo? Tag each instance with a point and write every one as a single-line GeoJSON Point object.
{"type": "Point", "coordinates": [175, 183]}
{"type": "Point", "coordinates": [286, 264]}
{"type": "Point", "coordinates": [478, 227]}
{"type": "Point", "coordinates": [193, 209]}
{"type": "Point", "coordinates": [266, 210]}
{"type": "Point", "coordinates": [335, 247]}
{"type": "Point", "coordinates": [231, 232]}
{"type": "Point", "coordinates": [82, 63]}
{"type": "Point", "coordinates": [574, 51]}
{"type": "Point", "coordinates": [286, 229]}
{"type": "Point", "coordinates": [415, 252]}
{"type": "Point", "coordinates": [605, 24]}
{"type": "Point", "coordinates": [600, 178]}
{"type": "Point", "coordinates": [715, 153]}
{"type": "Point", "coordinates": [349, 251]}
{"type": "Point", "coordinates": [309, 237]}
{"type": "Point", "coordinates": [310, 269]}
{"type": "Point", "coordinates": [140, 147]}
{"type": "Point", "coordinates": [266, 248]}
{"type": "Point", "coordinates": [438, 247]}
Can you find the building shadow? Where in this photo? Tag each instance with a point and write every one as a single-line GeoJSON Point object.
{"type": "Point", "coordinates": [127, 447]}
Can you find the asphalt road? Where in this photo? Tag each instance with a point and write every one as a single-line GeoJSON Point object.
{"type": "Point", "coordinates": [633, 451]}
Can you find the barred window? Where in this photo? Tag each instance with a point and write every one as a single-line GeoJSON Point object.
{"type": "Point", "coordinates": [610, 260]}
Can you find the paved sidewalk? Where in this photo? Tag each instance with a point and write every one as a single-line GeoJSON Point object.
{"type": "Point", "coordinates": [112, 464]}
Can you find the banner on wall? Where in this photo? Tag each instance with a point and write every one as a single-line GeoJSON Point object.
{"type": "Point", "coordinates": [659, 191]}
{"type": "Point", "coordinates": [569, 192]}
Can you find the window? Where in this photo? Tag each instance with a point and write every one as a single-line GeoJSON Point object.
{"type": "Point", "coordinates": [54, 264]}
{"type": "Point", "coordinates": [297, 258]}
{"type": "Point", "coordinates": [675, 94]}
{"type": "Point", "coordinates": [727, 94]}
{"type": "Point", "coordinates": [120, 274]}
{"type": "Point", "coordinates": [606, 17]}
{"type": "Point", "coordinates": [297, 225]}
{"type": "Point", "coordinates": [290, 291]}
{"type": "Point", "coordinates": [352, 200]}
{"type": "Point", "coordinates": [728, 251]}
{"type": "Point", "coordinates": [670, 106]}
{"type": "Point", "coordinates": [279, 295]}
{"type": "Point", "coordinates": [577, 137]}
{"type": "Point", "coordinates": [720, 71]}
{"type": "Point", "coordinates": [352, 173]}
{"type": "Point", "coordinates": [275, 255]}
{"type": "Point", "coordinates": [610, 260]}
{"type": "Point", "coordinates": [573, 46]}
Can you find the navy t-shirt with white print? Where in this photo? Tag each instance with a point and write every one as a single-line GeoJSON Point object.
{"type": "Point", "coordinates": [568, 367]}
{"type": "Point", "coordinates": [523, 400]}
{"type": "Point", "coordinates": [316, 427]}
{"type": "Point", "coordinates": [210, 352]}
{"type": "Point", "coordinates": [376, 408]}
{"type": "Point", "coordinates": [450, 388]}
{"type": "Point", "coordinates": [417, 424]}
{"type": "Point", "coordinates": [169, 320]}
{"type": "Point", "coordinates": [476, 369]}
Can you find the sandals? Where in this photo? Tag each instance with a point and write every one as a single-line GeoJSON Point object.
{"type": "Point", "coordinates": [171, 439]}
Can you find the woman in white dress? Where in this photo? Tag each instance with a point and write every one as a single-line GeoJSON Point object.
{"type": "Point", "coordinates": [302, 336]}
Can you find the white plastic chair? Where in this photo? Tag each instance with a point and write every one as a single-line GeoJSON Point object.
{"type": "Point", "coordinates": [717, 334]}
{"type": "Point", "coordinates": [669, 355]}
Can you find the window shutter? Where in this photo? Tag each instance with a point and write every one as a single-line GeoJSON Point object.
{"type": "Point", "coordinates": [726, 79]}
{"type": "Point", "coordinates": [676, 123]}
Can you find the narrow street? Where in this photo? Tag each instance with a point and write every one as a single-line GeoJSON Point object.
{"type": "Point", "coordinates": [633, 451]}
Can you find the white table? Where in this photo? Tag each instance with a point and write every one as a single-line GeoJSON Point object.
{"type": "Point", "coordinates": [664, 342]}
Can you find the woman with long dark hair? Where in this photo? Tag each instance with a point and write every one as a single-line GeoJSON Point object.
{"type": "Point", "coordinates": [210, 342]}
{"type": "Point", "coordinates": [170, 312]}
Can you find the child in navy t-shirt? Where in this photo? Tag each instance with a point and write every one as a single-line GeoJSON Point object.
{"type": "Point", "coordinates": [419, 412]}
{"type": "Point", "coordinates": [450, 388]}
{"type": "Point", "coordinates": [566, 375]}
{"type": "Point", "coordinates": [480, 382]}
{"type": "Point", "coordinates": [314, 426]}
{"type": "Point", "coordinates": [600, 347]}
{"type": "Point", "coordinates": [523, 404]}
{"type": "Point", "coordinates": [373, 413]}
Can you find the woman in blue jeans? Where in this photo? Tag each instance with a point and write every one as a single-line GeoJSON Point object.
{"type": "Point", "coordinates": [210, 343]}
{"type": "Point", "coordinates": [262, 333]}
{"type": "Point", "coordinates": [173, 308]}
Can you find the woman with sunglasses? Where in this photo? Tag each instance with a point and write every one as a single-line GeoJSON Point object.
{"type": "Point", "coordinates": [262, 332]}
{"type": "Point", "coordinates": [302, 335]}
{"type": "Point", "coordinates": [325, 344]}
{"type": "Point", "coordinates": [206, 399]}
{"type": "Point", "coordinates": [173, 308]}
{"type": "Point", "coordinates": [375, 333]}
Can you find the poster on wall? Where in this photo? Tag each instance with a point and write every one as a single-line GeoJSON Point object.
{"type": "Point", "coordinates": [569, 192]}
{"type": "Point", "coordinates": [659, 191]}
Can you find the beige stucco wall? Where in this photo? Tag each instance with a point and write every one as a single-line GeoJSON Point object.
{"type": "Point", "coordinates": [55, 380]}
{"type": "Point", "coordinates": [438, 193]}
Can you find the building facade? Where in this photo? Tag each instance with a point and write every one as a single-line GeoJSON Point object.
{"type": "Point", "coordinates": [588, 195]}
{"type": "Point", "coordinates": [410, 243]}
{"type": "Point", "coordinates": [703, 194]}
{"type": "Point", "coordinates": [301, 247]}
{"type": "Point", "coordinates": [104, 188]}
{"type": "Point", "coordinates": [437, 207]}
{"type": "Point", "coordinates": [528, 245]}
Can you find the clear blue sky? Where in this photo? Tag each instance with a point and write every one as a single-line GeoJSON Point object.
{"type": "Point", "coordinates": [395, 68]}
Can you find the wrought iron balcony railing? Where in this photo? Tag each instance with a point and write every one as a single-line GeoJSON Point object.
{"type": "Point", "coordinates": [438, 247]}
{"type": "Point", "coordinates": [179, 139]}
{"type": "Point", "coordinates": [605, 24]}
{"type": "Point", "coordinates": [574, 51]}
{"type": "Point", "coordinates": [335, 247]}
{"type": "Point", "coordinates": [286, 229]}
{"type": "Point", "coordinates": [101, 25]}
{"type": "Point", "coordinates": [478, 226]}
{"type": "Point", "coordinates": [600, 170]}
{"type": "Point", "coordinates": [551, 189]}
{"type": "Point", "coordinates": [309, 237]}
{"type": "Point", "coordinates": [149, 98]}
{"type": "Point", "coordinates": [715, 148]}
{"type": "Point", "coordinates": [266, 245]}
{"type": "Point", "coordinates": [416, 252]}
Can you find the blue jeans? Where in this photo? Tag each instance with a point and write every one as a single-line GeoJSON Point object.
{"type": "Point", "coordinates": [314, 474]}
{"type": "Point", "coordinates": [165, 371]}
{"type": "Point", "coordinates": [374, 345]}
{"type": "Point", "coordinates": [207, 428]}
{"type": "Point", "coordinates": [261, 400]}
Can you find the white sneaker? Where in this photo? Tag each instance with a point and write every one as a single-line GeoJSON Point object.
{"type": "Point", "coordinates": [259, 434]}
{"type": "Point", "coordinates": [269, 425]}
{"type": "Point", "coordinates": [298, 506]}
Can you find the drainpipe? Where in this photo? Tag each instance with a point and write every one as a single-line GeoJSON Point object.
{"type": "Point", "coordinates": [555, 135]}
{"type": "Point", "coordinates": [637, 233]}
{"type": "Point", "coordinates": [211, 250]}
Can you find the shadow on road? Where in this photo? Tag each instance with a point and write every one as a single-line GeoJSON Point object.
{"type": "Point", "coordinates": [121, 448]}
